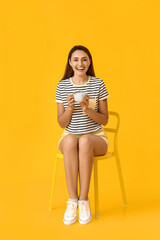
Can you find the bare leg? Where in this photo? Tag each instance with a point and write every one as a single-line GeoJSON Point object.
{"type": "Point", "coordinates": [69, 147]}
{"type": "Point", "coordinates": [89, 146]}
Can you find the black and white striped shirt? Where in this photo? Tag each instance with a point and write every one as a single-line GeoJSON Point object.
{"type": "Point", "coordinates": [80, 121]}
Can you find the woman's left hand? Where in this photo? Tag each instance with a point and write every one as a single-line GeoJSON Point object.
{"type": "Point", "coordinates": [85, 102]}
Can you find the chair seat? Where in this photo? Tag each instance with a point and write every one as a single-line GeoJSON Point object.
{"type": "Point", "coordinates": [96, 158]}
{"type": "Point", "coordinates": [103, 157]}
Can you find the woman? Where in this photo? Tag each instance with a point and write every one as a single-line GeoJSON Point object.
{"type": "Point", "coordinates": [84, 137]}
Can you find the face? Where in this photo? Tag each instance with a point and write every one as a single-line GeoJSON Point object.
{"type": "Point", "coordinates": [79, 62]}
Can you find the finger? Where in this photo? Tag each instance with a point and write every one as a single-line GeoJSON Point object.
{"type": "Point", "coordinates": [70, 97]}
{"type": "Point", "coordinates": [87, 97]}
{"type": "Point", "coordinates": [82, 105]}
{"type": "Point", "coordinates": [83, 102]}
{"type": "Point", "coordinates": [72, 101]}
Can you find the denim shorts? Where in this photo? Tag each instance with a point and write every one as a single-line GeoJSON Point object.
{"type": "Point", "coordinates": [100, 132]}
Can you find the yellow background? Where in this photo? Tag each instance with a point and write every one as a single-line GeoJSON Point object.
{"type": "Point", "coordinates": [36, 37]}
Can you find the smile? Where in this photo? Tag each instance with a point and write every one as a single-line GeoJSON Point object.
{"type": "Point", "coordinates": [80, 69]}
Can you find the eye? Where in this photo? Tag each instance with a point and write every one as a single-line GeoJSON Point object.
{"type": "Point", "coordinates": [83, 59]}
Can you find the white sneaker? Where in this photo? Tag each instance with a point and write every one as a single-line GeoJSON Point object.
{"type": "Point", "coordinates": [84, 211]}
{"type": "Point", "coordinates": [70, 213]}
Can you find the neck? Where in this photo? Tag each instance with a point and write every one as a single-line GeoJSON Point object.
{"type": "Point", "coordinates": [80, 79]}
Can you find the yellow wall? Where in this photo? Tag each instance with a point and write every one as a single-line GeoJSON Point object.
{"type": "Point", "coordinates": [36, 37]}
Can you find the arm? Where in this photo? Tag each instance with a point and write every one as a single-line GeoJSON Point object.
{"type": "Point", "coordinates": [100, 117]}
{"type": "Point", "coordinates": [64, 116]}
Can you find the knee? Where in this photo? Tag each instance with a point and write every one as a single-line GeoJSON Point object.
{"type": "Point", "coordinates": [85, 143]}
{"type": "Point", "coordinates": [71, 142]}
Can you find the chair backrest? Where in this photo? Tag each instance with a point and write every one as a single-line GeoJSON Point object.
{"type": "Point", "coordinates": [111, 113]}
{"type": "Point", "coordinates": [114, 129]}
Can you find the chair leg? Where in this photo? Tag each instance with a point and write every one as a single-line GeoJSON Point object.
{"type": "Point", "coordinates": [121, 179]}
{"type": "Point", "coordinates": [53, 185]}
{"type": "Point", "coordinates": [96, 200]}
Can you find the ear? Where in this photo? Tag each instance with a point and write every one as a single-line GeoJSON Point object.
{"type": "Point", "coordinates": [70, 62]}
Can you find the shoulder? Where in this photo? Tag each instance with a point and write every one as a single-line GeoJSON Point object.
{"type": "Point", "coordinates": [63, 82]}
{"type": "Point", "coordinates": [96, 80]}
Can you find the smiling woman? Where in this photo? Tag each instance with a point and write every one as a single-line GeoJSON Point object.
{"type": "Point", "coordinates": [79, 62]}
{"type": "Point", "coordinates": [84, 136]}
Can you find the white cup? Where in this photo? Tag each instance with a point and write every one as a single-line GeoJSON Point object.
{"type": "Point", "coordinates": [79, 96]}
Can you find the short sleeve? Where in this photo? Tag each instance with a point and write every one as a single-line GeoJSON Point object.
{"type": "Point", "coordinates": [58, 94]}
{"type": "Point", "coordinates": [103, 93]}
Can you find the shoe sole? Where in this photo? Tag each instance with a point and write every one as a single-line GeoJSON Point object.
{"type": "Point", "coordinates": [84, 222]}
{"type": "Point", "coordinates": [68, 223]}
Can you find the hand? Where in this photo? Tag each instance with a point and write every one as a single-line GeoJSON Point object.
{"type": "Point", "coordinates": [85, 102]}
{"type": "Point", "coordinates": [70, 100]}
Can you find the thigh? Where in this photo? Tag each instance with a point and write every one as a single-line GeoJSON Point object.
{"type": "Point", "coordinates": [99, 145]}
{"type": "Point", "coordinates": [67, 139]}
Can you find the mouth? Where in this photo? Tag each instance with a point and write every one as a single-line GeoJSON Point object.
{"type": "Point", "coordinates": [80, 69]}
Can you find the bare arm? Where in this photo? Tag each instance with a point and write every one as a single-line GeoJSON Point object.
{"type": "Point", "coordinates": [100, 117]}
{"type": "Point", "coordinates": [64, 116]}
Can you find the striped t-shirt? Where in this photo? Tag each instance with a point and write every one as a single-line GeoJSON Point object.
{"type": "Point", "coordinates": [80, 121]}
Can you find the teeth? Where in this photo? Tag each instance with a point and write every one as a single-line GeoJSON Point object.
{"type": "Point", "coordinates": [80, 68]}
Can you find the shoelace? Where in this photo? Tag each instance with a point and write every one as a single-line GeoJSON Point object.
{"type": "Point", "coordinates": [84, 208]}
{"type": "Point", "coordinates": [70, 208]}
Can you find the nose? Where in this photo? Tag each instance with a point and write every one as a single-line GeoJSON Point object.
{"type": "Point", "coordinates": [80, 65]}
{"type": "Point", "coordinates": [80, 62]}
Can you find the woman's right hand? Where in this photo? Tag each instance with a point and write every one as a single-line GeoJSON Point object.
{"type": "Point", "coordinates": [71, 101]}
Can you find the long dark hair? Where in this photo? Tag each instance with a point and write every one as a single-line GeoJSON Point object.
{"type": "Point", "coordinates": [69, 71]}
